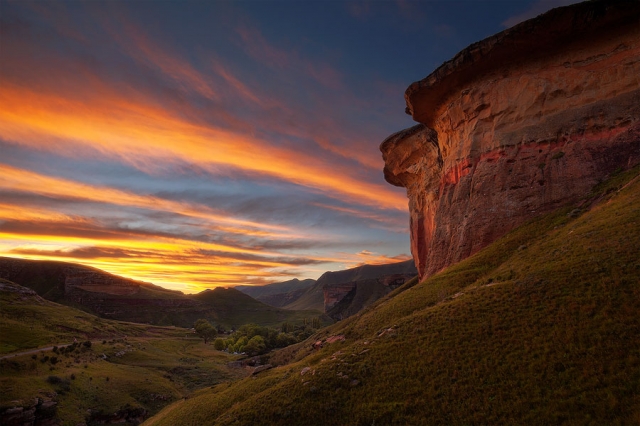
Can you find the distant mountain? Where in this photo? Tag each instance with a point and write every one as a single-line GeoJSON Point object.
{"type": "Point", "coordinates": [332, 287]}
{"type": "Point", "coordinates": [114, 297]}
{"type": "Point", "coordinates": [275, 288]}
{"type": "Point", "coordinates": [231, 306]}
{"type": "Point", "coordinates": [280, 300]}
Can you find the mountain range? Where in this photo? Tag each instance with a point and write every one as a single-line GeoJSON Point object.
{"type": "Point", "coordinates": [113, 297]}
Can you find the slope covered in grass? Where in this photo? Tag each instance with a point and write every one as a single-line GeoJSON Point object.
{"type": "Point", "coordinates": [541, 327]}
{"type": "Point", "coordinates": [28, 321]}
{"type": "Point", "coordinates": [116, 372]}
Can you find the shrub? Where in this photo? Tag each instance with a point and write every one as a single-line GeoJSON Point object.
{"type": "Point", "coordinates": [218, 344]}
{"type": "Point", "coordinates": [54, 380]}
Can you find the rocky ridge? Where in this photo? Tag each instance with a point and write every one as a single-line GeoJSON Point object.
{"type": "Point", "coordinates": [516, 125]}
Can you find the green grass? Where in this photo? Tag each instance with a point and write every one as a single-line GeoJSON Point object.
{"type": "Point", "coordinates": [28, 322]}
{"type": "Point", "coordinates": [153, 372]}
{"type": "Point", "coordinates": [146, 367]}
{"type": "Point", "coordinates": [541, 327]}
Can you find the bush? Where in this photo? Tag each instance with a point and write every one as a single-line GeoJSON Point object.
{"type": "Point", "coordinates": [54, 380]}
{"type": "Point", "coordinates": [218, 344]}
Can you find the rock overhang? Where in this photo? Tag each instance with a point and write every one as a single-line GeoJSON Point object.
{"type": "Point", "coordinates": [518, 124]}
{"type": "Point", "coordinates": [528, 41]}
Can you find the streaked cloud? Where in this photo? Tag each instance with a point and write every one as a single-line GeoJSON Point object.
{"type": "Point", "coordinates": [192, 157]}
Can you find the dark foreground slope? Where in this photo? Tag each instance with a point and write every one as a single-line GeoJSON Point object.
{"type": "Point", "coordinates": [541, 327]}
{"type": "Point", "coordinates": [110, 296]}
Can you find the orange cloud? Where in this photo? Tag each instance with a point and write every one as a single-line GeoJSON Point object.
{"type": "Point", "coordinates": [15, 179]}
{"type": "Point", "coordinates": [142, 134]}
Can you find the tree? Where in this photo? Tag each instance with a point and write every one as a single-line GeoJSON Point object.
{"type": "Point", "coordinates": [205, 330]}
{"type": "Point", "coordinates": [255, 345]}
{"type": "Point", "coordinates": [218, 344]}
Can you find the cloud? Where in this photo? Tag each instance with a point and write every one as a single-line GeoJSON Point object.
{"type": "Point", "coordinates": [367, 257]}
{"type": "Point", "coordinates": [142, 135]}
{"type": "Point", "coordinates": [359, 9]}
{"type": "Point", "coordinates": [205, 173]}
{"type": "Point", "coordinates": [81, 253]}
{"type": "Point", "coordinates": [30, 182]}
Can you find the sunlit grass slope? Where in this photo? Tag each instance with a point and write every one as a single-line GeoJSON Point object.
{"type": "Point", "coordinates": [541, 327]}
{"type": "Point", "coordinates": [28, 321]}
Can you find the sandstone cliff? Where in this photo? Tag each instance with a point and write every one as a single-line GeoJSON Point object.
{"type": "Point", "coordinates": [518, 124]}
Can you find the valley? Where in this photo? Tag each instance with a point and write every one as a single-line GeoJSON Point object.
{"type": "Point", "coordinates": [519, 303]}
{"type": "Point", "coordinates": [540, 327]}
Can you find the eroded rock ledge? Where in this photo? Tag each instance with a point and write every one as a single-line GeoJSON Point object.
{"type": "Point", "coordinates": [516, 125]}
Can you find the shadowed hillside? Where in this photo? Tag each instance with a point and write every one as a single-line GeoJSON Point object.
{"type": "Point", "coordinates": [314, 298]}
{"type": "Point", "coordinates": [540, 327]}
{"type": "Point", "coordinates": [278, 294]}
{"type": "Point", "coordinates": [276, 288]}
{"type": "Point", "coordinates": [110, 296]}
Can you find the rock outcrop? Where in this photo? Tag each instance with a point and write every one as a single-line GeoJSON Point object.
{"type": "Point", "coordinates": [516, 125]}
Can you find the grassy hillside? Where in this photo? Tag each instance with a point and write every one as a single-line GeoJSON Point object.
{"type": "Point", "coordinates": [27, 321]}
{"type": "Point", "coordinates": [541, 327]}
{"type": "Point", "coordinates": [109, 296]}
{"type": "Point", "coordinates": [126, 373]}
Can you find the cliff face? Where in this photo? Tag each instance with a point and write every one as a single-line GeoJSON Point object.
{"type": "Point", "coordinates": [516, 125]}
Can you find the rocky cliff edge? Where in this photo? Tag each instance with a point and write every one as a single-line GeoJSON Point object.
{"type": "Point", "coordinates": [518, 124]}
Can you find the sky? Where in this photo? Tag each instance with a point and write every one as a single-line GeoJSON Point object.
{"type": "Point", "coordinates": [195, 144]}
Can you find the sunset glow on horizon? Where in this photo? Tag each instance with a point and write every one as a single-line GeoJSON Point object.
{"type": "Point", "coordinates": [204, 144]}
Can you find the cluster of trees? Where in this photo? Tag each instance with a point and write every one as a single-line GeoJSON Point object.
{"type": "Point", "coordinates": [253, 339]}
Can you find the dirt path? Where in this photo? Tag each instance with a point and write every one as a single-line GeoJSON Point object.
{"type": "Point", "coordinates": [62, 345]}
{"type": "Point", "coordinates": [34, 351]}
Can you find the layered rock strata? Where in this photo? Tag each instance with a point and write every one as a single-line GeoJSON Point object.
{"type": "Point", "coordinates": [518, 124]}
